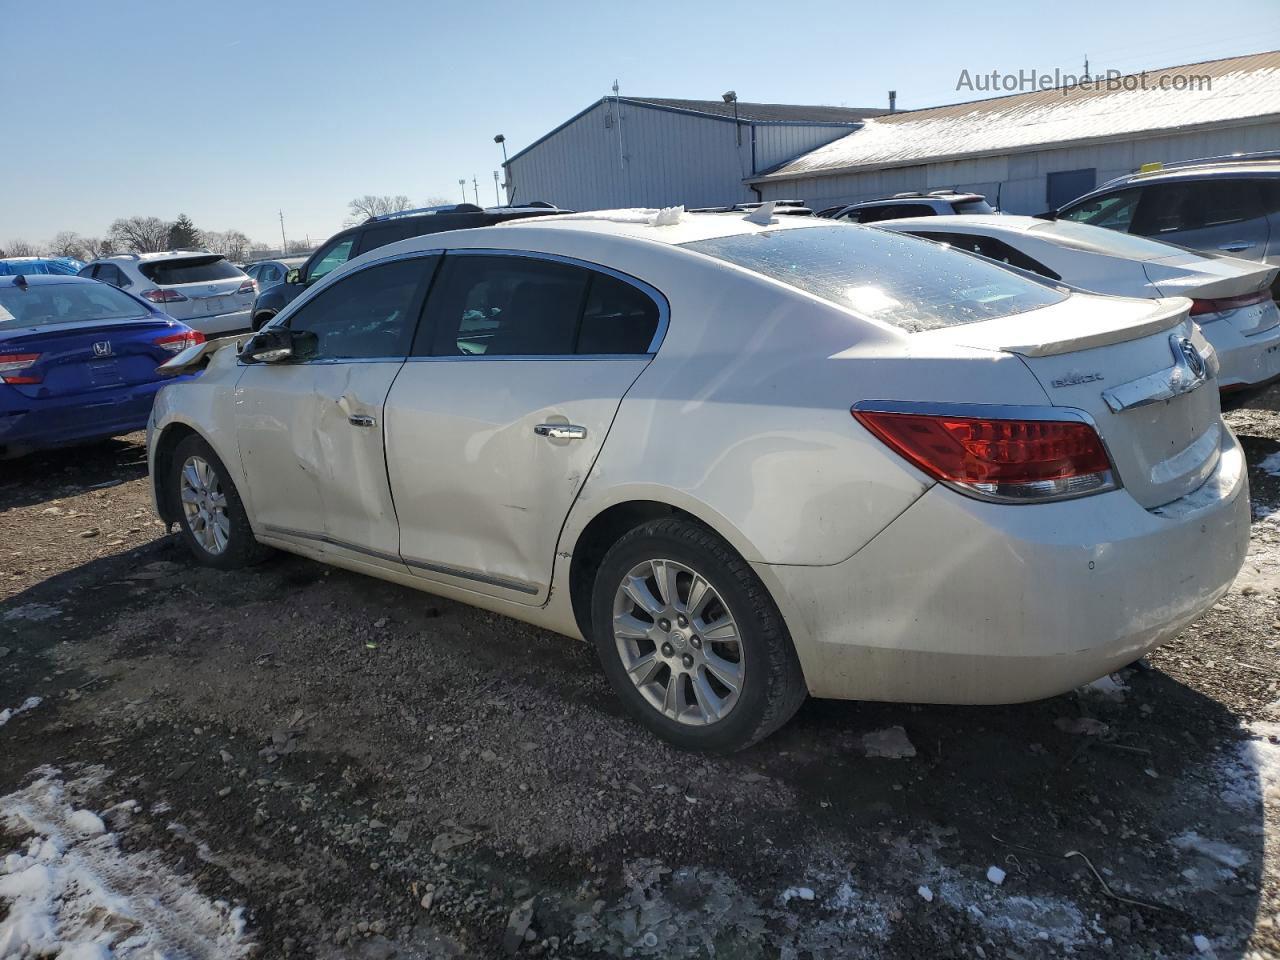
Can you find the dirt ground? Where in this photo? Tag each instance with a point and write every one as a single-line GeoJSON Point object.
{"type": "Point", "coordinates": [368, 771]}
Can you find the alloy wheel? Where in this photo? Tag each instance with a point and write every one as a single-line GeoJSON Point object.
{"type": "Point", "coordinates": [678, 642]}
{"type": "Point", "coordinates": [205, 505]}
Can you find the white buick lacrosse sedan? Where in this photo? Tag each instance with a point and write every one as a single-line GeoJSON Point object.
{"type": "Point", "coordinates": [747, 461]}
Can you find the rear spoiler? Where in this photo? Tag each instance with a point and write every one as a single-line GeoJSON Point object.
{"type": "Point", "coordinates": [197, 357]}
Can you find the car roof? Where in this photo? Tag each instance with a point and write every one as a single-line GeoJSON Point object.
{"type": "Point", "coordinates": [637, 224]}
{"type": "Point", "coordinates": [44, 279]}
{"type": "Point", "coordinates": [917, 197]}
{"type": "Point", "coordinates": [986, 222]}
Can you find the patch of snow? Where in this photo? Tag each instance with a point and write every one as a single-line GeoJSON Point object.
{"type": "Point", "coordinates": [763, 214]}
{"type": "Point", "coordinates": [1202, 943]}
{"type": "Point", "coordinates": [28, 704]}
{"type": "Point", "coordinates": [71, 892]}
{"type": "Point", "coordinates": [891, 744]}
{"type": "Point", "coordinates": [33, 611]}
{"type": "Point", "coordinates": [1107, 687]}
{"type": "Point", "coordinates": [996, 875]}
{"type": "Point", "coordinates": [1271, 464]}
{"type": "Point", "coordinates": [925, 893]}
{"type": "Point", "coordinates": [1215, 850]}
{"type": "Point", "coordinates": [795, 893]}
{"type": "Point", "coordinates": [1251, 772]}
{"type": "Point", "coordinates": [667, 217]}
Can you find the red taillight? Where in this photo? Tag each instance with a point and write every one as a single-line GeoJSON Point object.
{"type": "Point", "coordinates": [249, 286]}
{"type": "Point", "coordinates": [1201, 307]}
{"type": "Point", "coordinates": [162, 296]}
{"type": "Point", "coordinates": [12, 365]}
{"type": "Point", "coordinates": [1013, 460]}
{"type": "Point", "coordinates": [177, 342]}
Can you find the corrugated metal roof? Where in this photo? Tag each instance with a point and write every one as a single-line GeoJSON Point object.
{"type": "Point", "coordinates": [1239, 88]}
{"type": "Point", "coordinates": [763, 112]}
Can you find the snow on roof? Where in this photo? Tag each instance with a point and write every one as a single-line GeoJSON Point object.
{"type": "Point", "coordinates": [1239, 88]}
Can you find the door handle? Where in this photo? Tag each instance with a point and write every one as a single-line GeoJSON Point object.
{"type": "Point", "coordinates": [359, 420]}
{"type": "Point", "coordinates": [561, 431]}
{"type": "Point", "coordinates": [1235, 246]}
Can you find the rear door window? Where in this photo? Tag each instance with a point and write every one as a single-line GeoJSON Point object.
{"type": "Point", "coordinates": [169, 273]}
{"type": "Point", "coordinates": [334, 256]}
{"type": "Point", "coordinates": [1111, 210]}
{"type": "Point", "coordinates": [883, 276]}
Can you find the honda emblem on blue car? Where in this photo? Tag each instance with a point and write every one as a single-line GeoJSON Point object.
{"type": "Point", "coordinates": [102, 348]}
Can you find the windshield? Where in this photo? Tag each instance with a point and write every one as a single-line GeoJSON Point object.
{"type": "Point", "coordinates": [897, 279]}
{"type": "Point", "coordinates": [168, 273]}
{"type": "Point", "coordinates": [46, 303]}
{"type": "Point", "coordinates": [1101, 240]}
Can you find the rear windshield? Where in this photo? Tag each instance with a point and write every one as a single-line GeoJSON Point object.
{"type": "Point", "coordinates": [897, 279]}
{"type": "Point", "coordinates": [46, 303]}
{"type": "Point", "coordinates": [972, 206]}
{"type": "Point", "coordinates": [168, 273]}
{"type": "Point", "coordinates": [1112, 243]}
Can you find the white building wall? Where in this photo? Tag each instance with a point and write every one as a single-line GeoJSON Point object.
{"type": "Point", "coordinates": [1020, 180]}
{"type": "Point", "coordinates": [662, 158]}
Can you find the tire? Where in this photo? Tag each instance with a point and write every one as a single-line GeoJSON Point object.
{"type": "Point", "coordinates": [232, 545]}
{"type": "Point", "coordinates": [704, 711]}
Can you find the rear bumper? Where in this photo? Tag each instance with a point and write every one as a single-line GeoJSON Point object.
{"type": "Point", "coordinates": [961, 601]}
{"type": "Point", "coordinates": [38, 424]}
{"type": "Point", "coordinates": [1246, 361]}
{"type": "Point", "coordinates": [222, 323]}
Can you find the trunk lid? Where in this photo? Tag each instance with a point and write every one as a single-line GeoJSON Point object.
{"type": "Point", "coordinates": [1207, 278]}
{"type": "Point", "coordinates": [1140, 368]}
{"type": "Point", "coordinates": [209, 283]}
{"type": "Point", "coordinates": [77, 359]}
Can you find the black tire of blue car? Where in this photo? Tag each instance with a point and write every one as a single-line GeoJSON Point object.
{"type": "Point", "coordinates": [241, 549]}
{"type": "Point", "coordinates": [773, 686]}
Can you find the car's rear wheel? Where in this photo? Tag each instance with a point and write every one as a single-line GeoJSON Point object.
{"type": "Point", "coordinates": [211, 515]}
{"type": "Point", "coordinates": [691, 640]}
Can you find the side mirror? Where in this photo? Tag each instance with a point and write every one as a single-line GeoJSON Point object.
{"type": "Point", "coordinates": [280, 345]}
{"type": "Point", "coordinates": [293, 276]}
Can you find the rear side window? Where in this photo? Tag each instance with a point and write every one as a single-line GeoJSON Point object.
{"type": "Point", "coordinates": [42, 304]}
{"type": "Point", "coordinates": [514, 306]}
{"type": "Point", "coordinates": [892, 211]}
{"type": "Point", "coordinates": [368, 315]}
{"type": "Point", "coordinates": [992, 249]}
{"type": "Point", "coordinates": [883, 276]}
{"type": "Point", "coordinates": [972, 206]}
{"type": "Point", "coordinates": [168, 273]}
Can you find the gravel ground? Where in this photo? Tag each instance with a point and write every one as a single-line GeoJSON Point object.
{"type": "Point", "coordinates": [369, 771]}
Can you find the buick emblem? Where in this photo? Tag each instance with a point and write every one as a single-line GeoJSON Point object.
{"type": "Point", "coordinates": [102, 348]}
{"type": "Point", "coordinates": [1185, 350]}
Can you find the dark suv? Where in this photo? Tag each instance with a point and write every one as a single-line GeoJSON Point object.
{"type": "Point", "coordinates": [378, 232]}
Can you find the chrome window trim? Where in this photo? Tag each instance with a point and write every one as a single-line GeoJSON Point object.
{"type": "Point", "coordinates": [653, 293]}
{"type": "Point", "coordinates": [461, 574]}
{"type": "Point", "coordinates": [1000, 411]}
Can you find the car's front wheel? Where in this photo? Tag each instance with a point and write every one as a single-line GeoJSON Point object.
{"type": "Point", "coordinates": [691, 640]}
{"type": "Point", "coordinates": [211, 515]}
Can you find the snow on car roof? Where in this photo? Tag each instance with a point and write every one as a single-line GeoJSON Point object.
{"type": "Point", "coordinates": [640, 224]}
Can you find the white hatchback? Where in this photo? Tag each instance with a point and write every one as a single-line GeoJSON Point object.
{"type": "Point", "coordinates": [203, 290]}
{"type": "Point", "coordinates": [748, 461]}
{"type": "Point", "coordinates": [1230, 298]}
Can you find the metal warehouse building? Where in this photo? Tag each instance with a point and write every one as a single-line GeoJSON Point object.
{"type": "Point", "coordinates": [1041, 149]}
{"type": "Point", "coordinates": [648, 152]}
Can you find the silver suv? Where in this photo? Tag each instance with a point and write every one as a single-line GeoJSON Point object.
{"type": "Point", "coordinates": [937, 203]}
{"type": "Point", "coordinates": [201, 289]}
{"type": "Point", "coordinates": [1226, 205]}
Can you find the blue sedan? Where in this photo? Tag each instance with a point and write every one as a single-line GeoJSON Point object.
{"type": "Point", "coordinates": [78, 361]}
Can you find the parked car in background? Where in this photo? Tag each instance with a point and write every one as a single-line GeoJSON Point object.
{"type": "Point", "coordinates": [1230, 298]}
{"type": "Point", "coordinates": [1226, 205]}
{"type": "Point", "coordinates": [378, 232]}
{"type": "Point", "coordinates": [34, 266]}
{"type": "Point", "coordinates": [747, 460]}
{"type": "Point", "coordinates": [202, 289]}
{"type": "Point", "coordinates": [267, 273]}
{"type": "Point", "coordinates": [937, 203]}
{"type": "Point", "coordinates": [78, 361]}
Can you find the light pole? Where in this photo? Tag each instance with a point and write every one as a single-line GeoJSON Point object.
{"type": "Point", "coordinates": [497, 197]}
{"type": "Point", "coordinates": [463, 184]}
{"type": "Point", "coordinates": [501, 141]}
{"type": "Point", "coordinates": [284, 245]}
{"type": "Point", "coordinates": [730, 97]}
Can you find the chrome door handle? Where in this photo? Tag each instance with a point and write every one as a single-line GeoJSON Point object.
{"type": "Point", "coordinates": [1235, 246]}
{"type": "Point", "coordinates": [561, 431]}
{"type": "Point", "coordinates": [358, 420]}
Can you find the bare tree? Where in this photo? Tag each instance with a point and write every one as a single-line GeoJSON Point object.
{"type": "Point", "coordinates": [95, 247]}
{"type": "Point", "coordinates": [362, 208]}
{"type": "Point", "coordinates": [437, 201]}
{"type": "Point", "coordinates": [68, 243]}
{"type": "Point", "coordinates": [232, 244]}
{"type": "Point", "coordinates": [20, 248]}
{"type": "Point", "coordinates": [141, 234]}
{"type": "Point", "coordinates": [298, 246]}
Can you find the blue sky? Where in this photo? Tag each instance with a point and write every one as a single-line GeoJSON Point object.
{"type": "Point", "coordinates": [229, 111]}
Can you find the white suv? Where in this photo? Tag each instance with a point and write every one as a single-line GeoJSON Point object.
{"type": "Point", "coordinates": [201, 289]}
